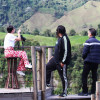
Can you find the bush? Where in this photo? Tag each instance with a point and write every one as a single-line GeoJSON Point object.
{"type": "Point", "coordinates": [2, 29]}
{"type": "Point", "coordinates": [72, 32]}
{"type": "Point", "coordinates": [47, 33]}
{"type": "Point", "coordinates": [84, 33]}
{"type": "Point", "coordinates": [36, 32]}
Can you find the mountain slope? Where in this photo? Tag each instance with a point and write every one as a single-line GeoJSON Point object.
{"type": "Point", "coordinates": [79, 19]}
{"type": "Point", "coordinates": [40, 21]}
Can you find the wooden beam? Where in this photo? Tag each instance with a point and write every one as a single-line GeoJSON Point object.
{"type": "Point", "coordinates": [92, 96]}
{"type": "Point", "coordinates": [39, 69]}
{"type": "Point", "coordinates": [43, 72]}
{"type": "Point", "coordinates": [98, 90]}
{"type": "Point", "coordinates": [33, 55]}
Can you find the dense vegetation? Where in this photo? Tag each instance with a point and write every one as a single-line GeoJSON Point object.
{"type": "Point", "coordinates": [17, 12]}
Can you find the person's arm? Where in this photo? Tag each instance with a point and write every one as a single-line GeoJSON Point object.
{"type": "Point", "coordinates": [19, 37]}
{"type": "Point", "coordinates": [64, 44]}
{"type": "Point", "coordinates": [86, 50]}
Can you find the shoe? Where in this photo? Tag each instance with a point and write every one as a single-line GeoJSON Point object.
{"type": "Point", "coordinates": [83, 94]}
{"type": "Point", "coordinates": [62, 95]}
{"type": "Point", "coordinates": [28, 66]}
{"type": "Point", "coordinates": [20, 73]}
{"type": "Point", "coordinates": [48, 85]}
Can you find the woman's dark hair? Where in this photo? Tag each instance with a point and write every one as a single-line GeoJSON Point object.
{"type": "Point", "coordinates": [60, 29]}
{"type": "Point", "coordinates": [10, 28]}
{"type": "Point", "coordinates": [93, 31]}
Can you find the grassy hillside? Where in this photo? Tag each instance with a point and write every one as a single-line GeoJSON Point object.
{"type": "Point", "coordinates": [40, 21]}
{"type": "Point", "coordinates": [79, 19]}
{"type": "Point", "coordinates": [50, 41]}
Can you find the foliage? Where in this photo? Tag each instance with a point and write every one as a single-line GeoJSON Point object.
{"type": "Point", "coordinates": [36, 32]}
{"type": "Point", "coordinates": [16, 12]}
{"type": "Point", "coordinates": [2, 29]}
{"type": "Point", "coordinates": [72, 32]}
{"type": "Point", "coordinates": [84, 33]}
{"type": "Point", "coordinates": [48, 33]}
{"type": "Point", "coordinates": [98, 30]}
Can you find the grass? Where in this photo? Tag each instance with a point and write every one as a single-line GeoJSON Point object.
{"type": "Point", "coordinates": [50, 41]}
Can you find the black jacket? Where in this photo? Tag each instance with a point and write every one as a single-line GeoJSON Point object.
{"type": "Point", "coordinates": [63, 50]}
{"type": "Point", "coordinates": [91, 50]}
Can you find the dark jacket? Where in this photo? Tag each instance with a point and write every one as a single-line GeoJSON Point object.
{"type": "Point", "coordinates": [91, 50]}
{"type": "Point", "coordinates": [63, 50]}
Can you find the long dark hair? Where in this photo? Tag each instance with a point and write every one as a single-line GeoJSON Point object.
{"type": "Point", "coordinates": [60, 29]}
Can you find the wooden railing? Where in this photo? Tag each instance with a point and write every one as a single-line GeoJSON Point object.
{"type": "Point", "coordinates": [40, 76]}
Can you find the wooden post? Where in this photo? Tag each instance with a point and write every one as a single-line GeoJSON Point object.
{"type": "Point", "coordinates": [98, 90]}
{"type": "Point", "coordinates": [49, 57]}
{"type": "Point", "coordinates": [39, 73]}
{"type": "Point", "coordinates": [43, 72]}
{"type": "Point", "coordinates": [92, 96]}
{"type": "Point", "coordinates": [33, 55]}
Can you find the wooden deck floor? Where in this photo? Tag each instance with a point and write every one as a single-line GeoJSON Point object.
{"type": "Point", "coordinates": [3, 90]}
{"type": "Point", "coordinates": [69, 97]}
{"type": "Point", "coordinates": [27, 94]}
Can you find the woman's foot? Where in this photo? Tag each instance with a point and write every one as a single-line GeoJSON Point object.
{"type": "Point", "coordinates": [20, 73]}
{"type": "Point", "coordinates": [28, 66]}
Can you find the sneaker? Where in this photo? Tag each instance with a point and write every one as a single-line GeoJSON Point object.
{"type": "Point", "coordinates": [48, 85]}
{"type": "Point", "coordinates": [83, 94]}
{"type": "Point", "coordinates": [62, 95]}
{"type": "Point", "coordinates": [20, 73]}
{"type": "Point", "coordinates": [28, 66]}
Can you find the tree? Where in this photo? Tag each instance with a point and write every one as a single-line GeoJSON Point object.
{"type": "Point", "coordinates": [84, 33]}
{"type": "Point", "coordinates": [47, 33]}
{"type": "Point", "coordinates": [72, 32]}
{"type": "Point", "coordinates": [36, 32]}
{"type": "Point", "coordinates": [98, 30]}
{"type": "Point", "coordinates": [2, 29]}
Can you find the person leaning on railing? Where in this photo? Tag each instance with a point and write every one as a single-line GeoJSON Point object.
{"type": "Point", "coordinates": [91, 56]}
{"type": "Point", "coordinates": [9, 43]}
{"type": "Point", "coordinates": [61, 59]}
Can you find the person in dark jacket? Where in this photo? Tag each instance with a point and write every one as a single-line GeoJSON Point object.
{"type": "Point", "coordinates": [91, 56]}
{"type": "Point", "coordinates": [61, 59]}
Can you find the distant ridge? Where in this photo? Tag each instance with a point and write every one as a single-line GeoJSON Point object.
{"type": "Point", "coordinates": [79, 19]}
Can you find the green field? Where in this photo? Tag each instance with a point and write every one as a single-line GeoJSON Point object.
{"type": "Point", "coordinates": [50, 41]}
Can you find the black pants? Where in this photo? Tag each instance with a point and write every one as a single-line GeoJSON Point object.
{"type": "Point", "coordinates": [51, 66]}
{"type": "Point", "coordinates": [87, 68]}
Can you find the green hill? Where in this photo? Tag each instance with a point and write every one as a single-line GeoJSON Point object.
{"type": "Point", "coordinates": [79, 19]}
{"type": "Point", "coordinates": [50, 41]}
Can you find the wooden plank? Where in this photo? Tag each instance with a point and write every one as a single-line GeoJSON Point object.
{"type": "Point", "coordinates": [18, 94]}
{"type": "Point", "coordinates": [98, 90]}
{"type": "Point", "coordinates": [33, 55]}
{"type": "Point", "coordinates": [92, 96]}
{"type": "Point", "coordinates": [39, 69]}
{"type": "Point", "coordinates": [69, 97]}
{"type": "Point", "coordinates": [43, 72]}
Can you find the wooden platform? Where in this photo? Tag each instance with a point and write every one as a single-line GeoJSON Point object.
{"type": "Point", "coordinates": [17, 94]}
{"type": "Point", "coordinates": [69, 97]}
{"type": "Point", "coordinates": [21, 94]}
